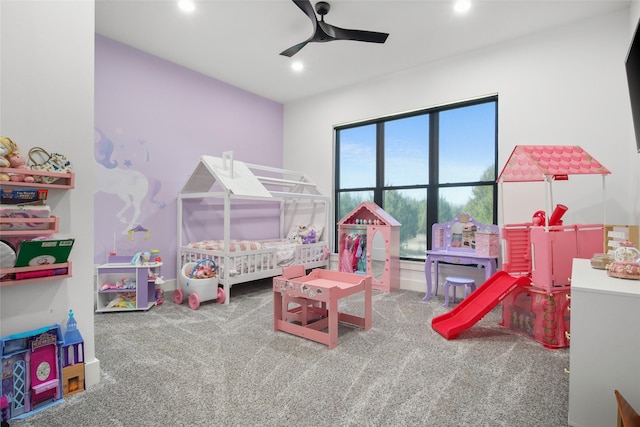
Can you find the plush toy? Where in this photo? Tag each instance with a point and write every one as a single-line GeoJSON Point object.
{"type": "Point", "coordinates": [204, 272]}
{"type": "Point", "coordinates": [18, 162]}
{"type": "Point", "coordinates": [310, 237]}
{"type": "Point", "coordinates": [7, 148]}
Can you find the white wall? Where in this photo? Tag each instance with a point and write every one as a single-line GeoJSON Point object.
{"type": "Point", "coordinates": [565, 86]}
{"type": "Point", "coordinates": [46, 98]}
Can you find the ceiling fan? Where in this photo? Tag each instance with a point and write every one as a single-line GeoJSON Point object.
{"type": "Point", "coordinates": [323, 32]}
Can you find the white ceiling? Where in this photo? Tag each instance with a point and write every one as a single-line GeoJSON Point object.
{"type": "Point", "coordinates": [239, 41]}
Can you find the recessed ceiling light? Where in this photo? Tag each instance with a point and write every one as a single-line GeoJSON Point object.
{"type": "Point", "coordinates": [187, 6]}
{"type": "Point", "coordinates": [462, 6]}
{"type": "Point", "coordinates": [297, 66]}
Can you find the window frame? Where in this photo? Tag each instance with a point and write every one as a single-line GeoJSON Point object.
{"type": "Point", "coordinates": [433, 186]}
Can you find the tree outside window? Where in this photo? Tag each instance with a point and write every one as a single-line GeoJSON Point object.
{"type": "Point", "coordinates": [422, 168]}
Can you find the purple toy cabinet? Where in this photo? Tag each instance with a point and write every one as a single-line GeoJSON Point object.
{"type": "Point", "coordinates": [122, 286]}
{"type": "Point", "coordinates": [369, 243]}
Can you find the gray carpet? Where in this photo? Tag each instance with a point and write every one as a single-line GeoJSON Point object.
{"type": "Point", "coordinates": [224, 365]}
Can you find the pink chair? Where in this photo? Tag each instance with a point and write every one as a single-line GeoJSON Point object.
{"type": "Point", "coordinates": [468, 284]}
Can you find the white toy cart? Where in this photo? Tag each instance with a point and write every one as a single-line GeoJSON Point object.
{"type": "Point", "coordinates": [198, 290]}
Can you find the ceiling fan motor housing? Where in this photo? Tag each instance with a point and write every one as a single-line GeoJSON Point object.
{"type": "Point", "coordinates": [322, 7]}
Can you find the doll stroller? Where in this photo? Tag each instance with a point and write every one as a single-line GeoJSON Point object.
{"type": "Point", "coordinates": [198, 290]}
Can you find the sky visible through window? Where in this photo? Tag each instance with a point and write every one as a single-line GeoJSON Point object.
{"type": "Point", "coordinates": [467, 141]}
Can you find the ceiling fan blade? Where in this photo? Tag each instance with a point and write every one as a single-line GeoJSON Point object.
{"type": "Point", "coordinates": [307, 8]}
{"type": "Point", "coordinates": [293, 49]}
{"type": "Point", "coordinates": [356, 35]}
{"type": "Point", "coordinates": [323, 32]}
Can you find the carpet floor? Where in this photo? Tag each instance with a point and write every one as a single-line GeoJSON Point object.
{"type": "Point", "coordinates": [223, 365]}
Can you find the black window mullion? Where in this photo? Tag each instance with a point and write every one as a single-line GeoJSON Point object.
{"type": "Point", "coordinates": [377, 194]}
{"type": "Point", "coordinates": [432, 188]}
{"type": "Point", "coordinates": [433, 185]}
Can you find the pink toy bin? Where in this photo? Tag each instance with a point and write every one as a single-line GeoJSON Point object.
{"type": "Point", "coordinates": [539, 314]}
{"type": "Point", "coordinates": [197, 290]}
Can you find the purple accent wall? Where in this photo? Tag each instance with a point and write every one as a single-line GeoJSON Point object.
{"type": "Point", "coordinates": [153, 120]}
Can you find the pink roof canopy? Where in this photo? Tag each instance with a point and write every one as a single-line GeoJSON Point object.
{"type": "Point", "coordinates": [535, 162]}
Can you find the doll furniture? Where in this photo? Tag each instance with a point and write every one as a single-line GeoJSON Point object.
{"type": "Point", "coordinates": [221, 190]}
{"type": "Point", "coordinates": [304, 310]}
{"type": "Point", "coordinates": [122, 286]}
{"type": "Point", "coordinates": [369, 243]}
{"type": "Point", "coordinates": [454, 242]}
{"type": "Point", "coordinates": [324, 287]}
{"type": "Point", "coordinates": [468, 285]}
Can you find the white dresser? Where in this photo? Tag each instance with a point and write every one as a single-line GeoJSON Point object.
{"type": "Point", "coordinates": [605, 345]}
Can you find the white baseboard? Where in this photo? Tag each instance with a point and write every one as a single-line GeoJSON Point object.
{"type": "Point", "coordinates": [91, 372]}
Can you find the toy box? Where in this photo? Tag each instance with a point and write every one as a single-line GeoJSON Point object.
{"type": "Point", "coordinates": [539, 314]}
{"type": "Point", "coordinates": [487, 244]}
{"type": "Point", "coordinates": [14, 197]}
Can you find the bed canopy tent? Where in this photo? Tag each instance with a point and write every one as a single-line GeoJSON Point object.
{"type": "Point", "coordinates": [548, 163]}
{"type": "Point", "coordinates": [240, 180]}
{"type": "Point", "coordinates": [226, 181]}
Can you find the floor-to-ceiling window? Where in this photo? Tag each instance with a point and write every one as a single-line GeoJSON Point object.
{"type": "Point", "coordinates": [421, 167]}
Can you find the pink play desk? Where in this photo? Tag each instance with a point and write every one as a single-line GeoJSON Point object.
{"type": "Point", "coordinates": [324, 286]}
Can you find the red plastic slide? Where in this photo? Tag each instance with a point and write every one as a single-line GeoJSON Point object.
{"type": "Point", "coordinates": [477, 304]}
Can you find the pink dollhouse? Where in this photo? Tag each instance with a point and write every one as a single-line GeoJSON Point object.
{"type": "Point", "coordinates": [369, 243]}
{"type": "Point", "coordinates": [31, 370]}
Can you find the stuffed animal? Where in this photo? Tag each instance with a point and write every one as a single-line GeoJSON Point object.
{"type": "Point", "coordinates": [18, 162]}
{"type": "Point", "coordinates": [7, 148]}
{"type": "Point", "coordinates": [204, 272]}
{"type": "Point", "coordinates": [310, 237]}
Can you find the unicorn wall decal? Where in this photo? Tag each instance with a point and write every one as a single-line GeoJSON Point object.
{"type": "Point", "coordinates": [130, 185]}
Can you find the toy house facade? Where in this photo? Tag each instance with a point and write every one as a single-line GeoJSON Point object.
{"type": "Point", "coordinates": [369, 243]}
{"type": "Point", "coordinates": [31, 370]}
{"type": "Point", "coordinates": [72, 359]}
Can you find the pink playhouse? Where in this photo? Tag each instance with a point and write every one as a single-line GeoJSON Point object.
{"type": "Point", "coordinates": [544, 250]}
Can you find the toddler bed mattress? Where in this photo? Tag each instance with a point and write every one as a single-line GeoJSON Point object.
{"type": "Point", "coordinates": [234, 245]}
{"type": "Point", "coordinates": [285, 249]}
{"type": "Point", "coordinates": [23, 212]}
{"type": "Point", "coordinates": [251, 256]}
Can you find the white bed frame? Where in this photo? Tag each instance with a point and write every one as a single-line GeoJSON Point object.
{"type": "Point", "coordinates": [243, 181]}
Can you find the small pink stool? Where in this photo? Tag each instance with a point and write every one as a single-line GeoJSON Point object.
{"type": "Point", "coordinates": [469, 286]}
